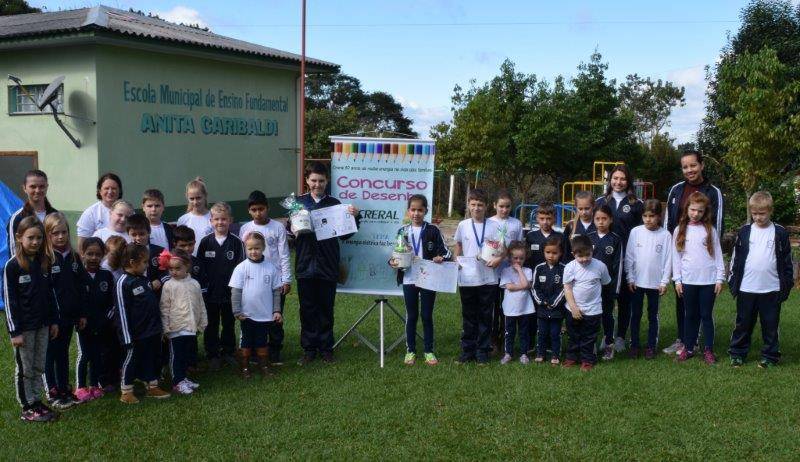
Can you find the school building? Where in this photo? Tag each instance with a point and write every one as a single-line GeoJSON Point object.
{"type": "Point", "coordinates": [155, 102]}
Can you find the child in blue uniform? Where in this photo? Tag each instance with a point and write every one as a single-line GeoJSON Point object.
{"type": "Point", "coordinates": [548, 296]}
{"type": "Point", "coordinates": [608, 250]}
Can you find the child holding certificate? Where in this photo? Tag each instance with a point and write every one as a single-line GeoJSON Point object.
{"type": "Point", "coordinates": [477, 279]}
{"type": "Point", "coordinates": [426, 243]}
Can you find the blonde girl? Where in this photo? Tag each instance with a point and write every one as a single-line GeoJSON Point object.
{"type": "Point", "coordinates": [197, 216]}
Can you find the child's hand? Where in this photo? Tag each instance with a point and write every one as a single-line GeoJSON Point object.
{"type": "Point", "coordinates": [717, 288]}
{"type": "Point", "coordinates": [53, 331]}
{"type": "Point", "coordinates": [286, 289]}
{"type": "Point", "coordinates": [494, 262]}
{"type": "Point", "coordinates": [241, 317]}
{"type": "Point", "coordinates": [352, 210]}
{"type": "Point", "coordinates": [679, 289]}
{"type": "Point", "coordinates": [662, 290]}
{"type": "Point", "coordinates": [393, 263]}
{"type": "Point", "coordinates": [155, 284]}
{"type": "Point", "coordinates": [18, 341]}
{"type": "Point", "coordinates": [81, 323]}
{"type": "Point", "coordinates": [277, 317]}
{"type": "Point", "coordinates": [632, 286]}
{"type": "Point", "coordinates": [438, 259]}
{"type": "Point", "coordinates": [576, 313]}
{"type": "Point", "coordinates": [516, 266]}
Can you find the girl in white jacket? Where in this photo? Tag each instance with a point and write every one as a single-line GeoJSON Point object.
{"type": "Point", "coordinates": [183, 313]}
{"type": "Point", "coordinates": [648, 264]}
{"type": "Point", "coordinates": [698, 272]}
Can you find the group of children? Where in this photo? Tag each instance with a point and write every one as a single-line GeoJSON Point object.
{"type": "Point", "coordinates": [137, 292]}
{"type": "Point", "coordinates": [137, 298]}
{"type": "Point", "coordinates": [615, 245]}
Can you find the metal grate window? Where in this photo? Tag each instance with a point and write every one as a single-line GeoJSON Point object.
{"type": "Point", "coordinates": [19, 103]}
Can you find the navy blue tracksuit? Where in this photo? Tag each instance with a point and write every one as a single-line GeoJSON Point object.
{"type": "Point", "coordinates": [548, 296]}
{"type": "Point", "coordinates": [608, 249]}
{"type": "Point", "coordinates": [138, 318]}
{"type": "Point", "coordinates": [536, 241]}
{"type": "Point", "coordinates": [98, 356]}
{"type": "Point", "coordinates": [317, 272]}
{"type": "Point", "coordinates": [69, 282]}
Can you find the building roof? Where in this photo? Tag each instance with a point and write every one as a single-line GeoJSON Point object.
{"type": "Point", "coordinates": [127, 23]}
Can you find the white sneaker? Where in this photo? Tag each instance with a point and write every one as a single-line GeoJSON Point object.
{"type": "Point", "coordinates": [672, 349]}
{"type": "Point", "coordinates": [191, 383]}
{"type": "Point", "coordinates": [619, 344]}
{"type": "Point", "coordinates": [183, 388]}
{"type": "Point", "coordinates": [506, 359]}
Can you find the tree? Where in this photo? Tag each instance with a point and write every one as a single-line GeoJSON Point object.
{"type": "Point", "coordinates": [336, 105]}
{"type": "Point", "coordinates": [651, 103]}
{"type": "Point", "coordinates": [12, 7]}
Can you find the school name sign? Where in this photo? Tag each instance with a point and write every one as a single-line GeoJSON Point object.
{"type": "Point", "coordinates": [192, 99]}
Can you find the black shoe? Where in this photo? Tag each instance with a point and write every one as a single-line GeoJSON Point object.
{"type": "Point", "coordinates": [465, 358]}
{"type": "Point", "coordinates": [327, 357]}
{"type": "Point", "coordinates": [275, 358]}
{"type": "Point", "coordinates": [482, 360]}
{"type": "Point", "coordinates": [306, 359]}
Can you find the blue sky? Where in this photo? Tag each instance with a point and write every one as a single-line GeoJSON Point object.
{"type": "Point", "coordinates": [417, 50]}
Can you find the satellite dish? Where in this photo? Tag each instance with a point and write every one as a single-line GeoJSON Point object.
{"type": "Point", "coordinates": [50, 93]}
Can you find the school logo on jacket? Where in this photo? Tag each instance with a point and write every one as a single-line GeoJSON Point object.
{"type": "Point", "coordinates": [659, 248]}
{"type": "Point", "coordinates": [210, 254]}
{"type": "Point", "coordinates": [430, 246]}
{"type": "Point", "coordinates": [609, 249]}
{"type": "Point", "coordinates": [267, 280]}
{"type": "Point", "coordinates": [25, 278]}
{"type": "Point", "coordinates": [270, 241]}
{"type": "Point", "coordinates": [542, 278]}
{"type": "Point", "coordinates": [103, 286]}
{"type": "Point", "coordinates": [557, 278]}
{"type": "Point", "coordinates": [154, 261]}
{"type": "Point", "coordinates": [139, 290]}
{"type": "Point", "coordinates": [196, 270]}
{"type": "Point", "coordinates": [74, 267]}
{"type": "Point", "coordinates": [55, 269]}
{"type": "Point", "coordinates": [229, 254]}
{"type": "Point", "coordinates": [626, 208]}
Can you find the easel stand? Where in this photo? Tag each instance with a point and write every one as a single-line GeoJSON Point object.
{"type": "Point", "coordinates": [380, 304]}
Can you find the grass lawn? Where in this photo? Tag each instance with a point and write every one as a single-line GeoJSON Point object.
{"type": "Point", "coordinates": [627, 409]}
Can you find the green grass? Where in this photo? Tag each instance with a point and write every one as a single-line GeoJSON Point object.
{"type": "Point", "coordinates": [628, 409]}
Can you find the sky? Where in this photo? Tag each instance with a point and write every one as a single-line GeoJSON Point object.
{"type": "Point", "coordinates": [418, 50]}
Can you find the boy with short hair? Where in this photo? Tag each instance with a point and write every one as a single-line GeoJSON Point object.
{"type": "Point", "coordinates": [583, 280]}
{"type": "Point", "coordinates": [277, 251]}
{"type": "Point", "coordinates": [536, 239]}
{"type": "Point", "coordinates": [219, 253]}
{"type": "Point", "coordinates": [138, 228]}
{"type": "Point", "coordinates": [548, 297]}
{"type": "Point", "coordinates": [153, 208]}
{"type": "Point", "coordinates": [760, 280]}
{"type": "Point", "coordinates": [477, 298]}
{"type": "Point", "coordinates": [183, 238]}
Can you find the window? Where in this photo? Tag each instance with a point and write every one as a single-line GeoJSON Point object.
{"type": "Point", "coordinates": [19, 103]}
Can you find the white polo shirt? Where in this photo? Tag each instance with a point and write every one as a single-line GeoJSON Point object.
{"type": "Point", "coordinates": [518, 302]}
{"type": "Point", "coordinates": [469, 238]}
{"type": "Point", "coordinates": [277, 249]}
{"type": "Point", "coordinates": [200, 224]}
{"type": "Point", "coordinates": [761, 267]}
{"type": "Point", "coordinates": [158, 235]}
{"type": "Point", "coordinates": [257, 282]}
{"type": "Point", "coordinates": [92, 219]}
{"type": "Point", "coordinates": [587, 282]}
{"type": "Point", "coordinates": [105, 233]}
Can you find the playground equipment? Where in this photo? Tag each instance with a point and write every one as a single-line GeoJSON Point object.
{"type": "Point", "coordinates": [565, 211]}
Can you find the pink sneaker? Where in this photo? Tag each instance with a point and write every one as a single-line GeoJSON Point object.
{"type": "Point", "coordinates": [97, 392]}
{"type": "Point", "coordinates": [708, 357]}
{"type": "Point", "coordinates": [84, 394]}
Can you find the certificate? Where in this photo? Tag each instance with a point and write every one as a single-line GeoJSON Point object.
{"type": "Point", "coordinates": [438, 277]}
{"type": "Point", "coordinates": [474, 272]}
{"type": "Point", "coordinates": [333, 221]}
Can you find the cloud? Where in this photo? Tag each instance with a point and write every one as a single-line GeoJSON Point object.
{"type": "Point", "coordinates": [182, 15]}
{"type": "Point", "coordinates": [685, 121]}
{"type": "Point", "coordinates": [424, 118]}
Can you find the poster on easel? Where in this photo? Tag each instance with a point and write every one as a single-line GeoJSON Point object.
{"type": "Point", "coordinates": [377, 175]}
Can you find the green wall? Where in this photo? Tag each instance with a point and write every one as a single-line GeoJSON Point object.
{"type": "Point", "coordinates": [232, 165]}
{"type": "Point", "coordinates": [72, 171]}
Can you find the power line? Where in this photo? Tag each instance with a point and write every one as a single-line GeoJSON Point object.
{"type": "Point", "coordinates": [492, 24]}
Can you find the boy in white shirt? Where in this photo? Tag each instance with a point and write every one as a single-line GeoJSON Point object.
{"type": "Point", "coordinates": [761, 279]}
{"type": "Point", "coordinates": [478, 290]}
{"type": "Point", "coordinates": [153, 208]}
{"type": "Point", "coordinates": [583, 280]}
{"type": "Point", "coordinates": [277, 251]}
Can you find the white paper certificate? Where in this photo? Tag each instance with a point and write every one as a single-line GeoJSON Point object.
{"type": "Point", "coordinates": [333, 221]}
{"type": "Point", "coordinates": [474, 272]}
{"type": "Point", "coordinates": [438, 277]}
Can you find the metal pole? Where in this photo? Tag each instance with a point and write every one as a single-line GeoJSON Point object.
{"type": "Point", "coordinates": [301, 167]}
{"type": "Point", "coordinates": [383, 348]}
{"type": "Point", "coordinates": [450, 196]}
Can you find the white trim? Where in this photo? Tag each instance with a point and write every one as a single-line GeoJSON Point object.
{"type": "Point", "coordinates": [7, 298]}
{"type": "Point", "coordinates": [78, 358]}
{"type": "Point", "coordinates": [123, 318]}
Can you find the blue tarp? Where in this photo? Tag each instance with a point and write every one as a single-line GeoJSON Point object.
{"type": "Point", "coordinates": [9, 203]}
